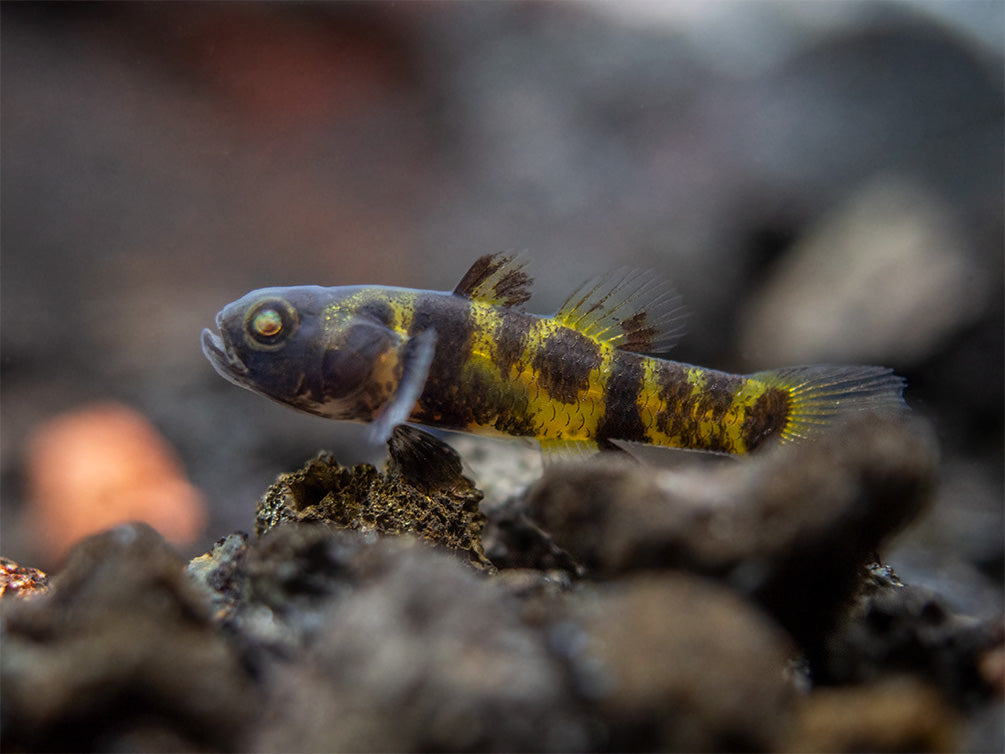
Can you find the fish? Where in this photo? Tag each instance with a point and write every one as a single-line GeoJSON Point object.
{"type": "Point", "coordinates": [591, 377]}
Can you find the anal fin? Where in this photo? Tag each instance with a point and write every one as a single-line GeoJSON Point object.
{"type": "Point", "coordinates": [557, 450]}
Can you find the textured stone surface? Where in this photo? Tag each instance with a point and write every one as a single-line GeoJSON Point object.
{"type": "Point", "coordinates": [673, 662]}
{"type": "Point", "coordinates": [902, 630]}
{"type": "Point", "coordinates": [21, 581]}
{"type": "Point", "coordinates": [422, 492]}
{"type": "Point", "coordinates": [320, 638]}
{"type": "Point", "coordinates": [425, 656]}
{"type": "Point", "coordinates": [894, 715]}
{"type": "Point", "coordinates": [789, 528]}
{"type": "Point", "coordinates": [121, 653]}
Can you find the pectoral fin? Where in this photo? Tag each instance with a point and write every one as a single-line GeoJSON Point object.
{"type": "Point", "coordinates": [417, 355]}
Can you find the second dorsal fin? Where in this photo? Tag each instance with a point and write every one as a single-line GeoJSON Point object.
{"type": "Point", "coordinates": [498, 279]}
{"type": "Point", "coordinates": [630, 309]}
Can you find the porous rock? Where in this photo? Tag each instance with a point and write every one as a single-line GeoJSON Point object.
{"type": "Point", "coordinates": [425, 656]}
{"type": "Point", "coordinates": [120, 653]}
{"type": "Point", "coordinates": [894, 715]}
{"type": "Point", "coordinates": [272, 594]}
{"type": "Point", "coordinates": [422, 493]}
{"type": "Point", "coordinates": [511, 539]}
{"type": "Point", "coordinates": [790, 527]}
{"type": "Point", "coordinates": [896, 630]}
{"type": "Point", "coordinates": [673, 662]}
{"type": "Point", "coordinates": [219, 574]}
{"type": "Point", "coordinates": [21, 581]}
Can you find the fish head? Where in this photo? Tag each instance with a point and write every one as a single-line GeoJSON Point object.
{"type": "Point", "coordinates": [298, 346]}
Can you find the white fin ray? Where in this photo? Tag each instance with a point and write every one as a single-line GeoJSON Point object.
{"type": "Point", "coordinates": [558, 450]}
{"type": "Point", "coordinates": [824, 393]}
{"type": "Point", "coordinates": [418, 357]}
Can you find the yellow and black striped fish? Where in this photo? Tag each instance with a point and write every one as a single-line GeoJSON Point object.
{"type": "Point", "coordinates": [473, 360]}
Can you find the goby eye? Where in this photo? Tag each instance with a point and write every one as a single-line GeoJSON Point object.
{"type": "Point", "coordinates": [267, 323]}
{"type": "Point", "coordinates": [270, 322]}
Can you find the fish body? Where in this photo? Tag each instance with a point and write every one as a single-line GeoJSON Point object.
{"type": "Point", "coordinates": [473, 360]}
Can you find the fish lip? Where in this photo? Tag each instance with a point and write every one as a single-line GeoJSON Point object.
{"type": "Point", "coordinates": [224, 361]}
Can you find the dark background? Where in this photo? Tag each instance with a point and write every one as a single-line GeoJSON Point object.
{"type": "Point", "coordinates": [822, 182]}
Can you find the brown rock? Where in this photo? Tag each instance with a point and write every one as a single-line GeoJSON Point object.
{"type": "Point", "coordinates": [21, 581]}
{"type": "Point", "coordinates": [422, 493]}
{"type": "Point", "coordinates": [895, 630]}
{"type": "Point", "coordinates": [888, 276]}
{"type": "Point", "coordinates": [425, 655]}
{"type": "Point", "coordinates": [120, 653]}
{"type": "Point", "coordinates": [891, 716]}
{"type": "Point", "coordinates": [790, 527]}
{"type": "Point", "coordinates": [676, 663]}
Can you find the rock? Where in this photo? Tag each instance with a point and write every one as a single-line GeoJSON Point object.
{"type": "Point", "coordinates": [897, 630]}
{"type": "Point", "coordinates": [891, 716]}
{"type": "Point", "coordinates": [673, 662]}
{"type": "Point", "coordinates": [318, 636]}
{"type": "Point", "coordinates": [504, 468]}
{"type": "Point", "coordinates": [21, 581]}
{"type": "Point", "coordinates": [790, 527]}
{"type": "Point", "coordinates": [422, 493]}
{"type": "Point", "coordinates": [219, 573]}
{"type": "Point", "coordinates": [886, 278]}
{"type": "Point", "coordinates": [425, 656]}
{"type": "Point", "coordinates": [272, 594]}
{"type": "Point", "coordinates": [992, 661]}
{"type": "Point", "coordinates": [121, 653]}
{"type": "Point", "coordinates": [102, 465]}
{"type": "Point", "coordinates": [512, 540]}
{"type": "Point", "coordinates": [985, 729]}
{"type": "Point", "coordinates": [296, 566]}
{"type": "Point", "coordinates": [957, 550]}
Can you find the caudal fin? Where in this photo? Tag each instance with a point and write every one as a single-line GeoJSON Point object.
{"type": "Point", "coordinates": [824, 394]}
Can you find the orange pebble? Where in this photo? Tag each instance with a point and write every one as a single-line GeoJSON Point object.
{"type": "Point", "coordinates": [21, 581]}
{"type": "Point", "coordinates": [103, 465]}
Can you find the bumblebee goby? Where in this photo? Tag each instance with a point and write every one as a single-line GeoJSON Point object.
{"type": "Point", "coordinates": [473, 360]}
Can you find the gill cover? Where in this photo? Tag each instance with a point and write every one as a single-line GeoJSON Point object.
{"type": "Point", "coordinates": [351, 354]}
{"type": "Point", "coordinates": [373, 373]}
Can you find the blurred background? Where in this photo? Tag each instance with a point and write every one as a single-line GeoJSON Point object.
{"type": "Point", "coordinates": [821, 181]}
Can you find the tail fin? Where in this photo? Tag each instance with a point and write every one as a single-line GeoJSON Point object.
{"type": "Point", "coordinates": [824, 394]}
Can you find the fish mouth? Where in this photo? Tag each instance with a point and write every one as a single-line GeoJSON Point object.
{"type": "Point", "coordinates": [224, 361]}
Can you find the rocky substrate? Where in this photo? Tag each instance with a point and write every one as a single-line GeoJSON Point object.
{"type": "Point", "coordinates": [609, 607]}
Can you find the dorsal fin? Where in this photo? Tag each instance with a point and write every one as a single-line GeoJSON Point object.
{"type": "Point", "coordinates": [630, 309]}
{"type": "Point", "coordinates": [496, 279]}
